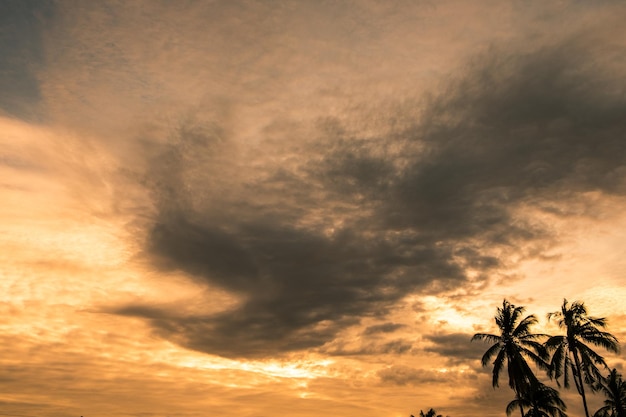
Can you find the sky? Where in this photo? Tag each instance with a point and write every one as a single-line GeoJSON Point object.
{"type": "Point", "coordinates": [298, 207]}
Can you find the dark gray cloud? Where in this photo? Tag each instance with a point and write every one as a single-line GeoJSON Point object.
{"type": "Point", "coordinates": [537, 136]}
{"type": "Point", "coordinates": [410, 211]}
{"type": "Point", "coordinates": [369, 346]}
{"type": "Point", "coordinates": [456, 347]}
{"type": "Point", "coordinates": [21, 25]}
{"type": "Point", "coordinates": [405, 375]}
{"type": "Point", "coordinates": [382, 328]}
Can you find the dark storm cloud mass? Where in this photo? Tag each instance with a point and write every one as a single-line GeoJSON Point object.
{"type": "Point", "coordinates": [21, 25]}
{"type": "Point", "coordinates": [417, 207]}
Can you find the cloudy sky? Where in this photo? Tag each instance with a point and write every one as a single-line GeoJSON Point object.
{"type": "Point", "coordinates": [299, 207]}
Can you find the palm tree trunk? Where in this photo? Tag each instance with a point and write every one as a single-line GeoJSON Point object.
{"type": "Point", "coordinates": [579, 382]}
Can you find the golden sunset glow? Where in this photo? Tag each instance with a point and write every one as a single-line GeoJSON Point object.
{"type": "Point", "coordinates": [303, 208]}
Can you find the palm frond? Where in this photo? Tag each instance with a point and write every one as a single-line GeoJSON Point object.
{"type": "Point", "coordinates": [597, 321]}
{"type": "Point", "coordinates": [603, 339]}
{"type": "Point", "coordinates": [523, 328]}
{"type": "Point", "coordinates": [603, 412]}
{"type": "Point", "coordinates": [589, 357]}
{"type": "Point", "coordinates": [492, 338]}
{"type": "Point", "coordinates": [567, 366]}
{"type": "Point", "coordinates": [555, 341]}
{"type": "Point", "coordinates": [512, 407]}
{"type": "Point", "coordinates": [498, 364]}
{"type": "Point", "coordinates": [489, 354]}
{"type": "Point", "coordinates": [537, 347]}
{"type": "Point", "coordinates": [536, 358]}
{"type": "Point", "coordinates": [556, 364]}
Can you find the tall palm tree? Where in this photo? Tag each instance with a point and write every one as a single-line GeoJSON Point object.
{"type": "Point", "coordinates": [514, 344]}
{"type": "Point", "coordinates": [571, 353]}
{"type": "Point", "coordinates": [541, 401]}
{"type": "Point", "coordinates": [614, 388]}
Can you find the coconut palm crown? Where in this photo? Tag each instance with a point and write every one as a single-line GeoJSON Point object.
{"type": "Point", "coordinates": [514, 345]}
{"type": "Point", "coordinates": [540, 401]}
{"type": "Point", "coordinates": [571, 353]}
{"type": "Point", "coordinates": [614, 388]}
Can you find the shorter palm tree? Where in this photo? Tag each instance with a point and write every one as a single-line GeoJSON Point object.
{"type": "Point", "coordinates": [540, 401]}
{"type": "Point", "coordinates": [572, 353]}
{"type": "Point", "coordinates": [614, 388]}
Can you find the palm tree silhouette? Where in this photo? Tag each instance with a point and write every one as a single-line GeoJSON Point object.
{"type": "Point", "coordinates": [614, 388]}
{"type": "Point", "coordinates": [429, 413]}
{"type": "Point", "coordinates": [570, 351]}
{"type": "Point", "coordinates": [514, 344]}
{"type": "Point", "coordinates": [541, 401]}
